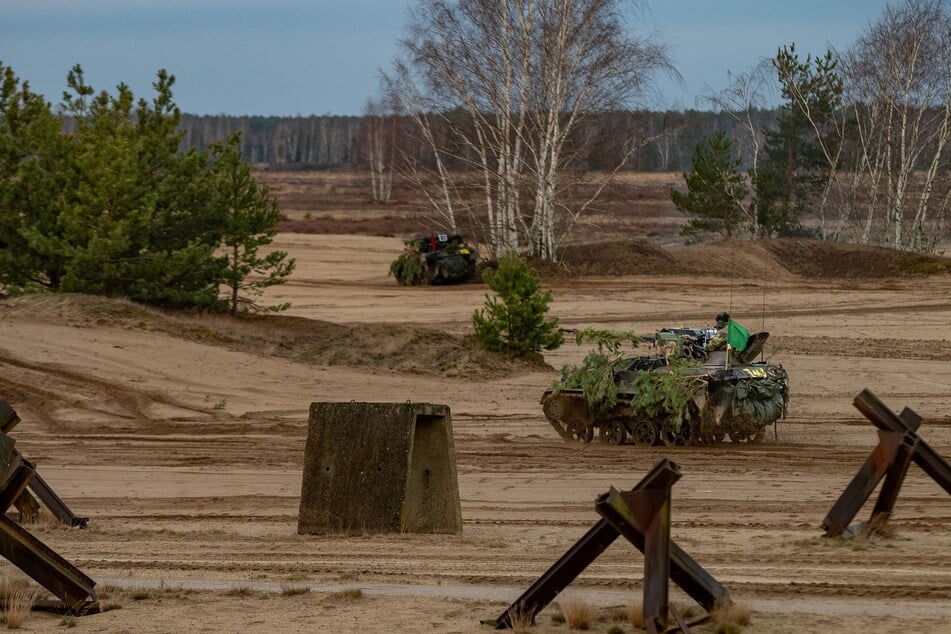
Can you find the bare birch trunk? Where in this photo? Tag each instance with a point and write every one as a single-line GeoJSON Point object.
{"type": "Point", "coordinates": [509, 80]}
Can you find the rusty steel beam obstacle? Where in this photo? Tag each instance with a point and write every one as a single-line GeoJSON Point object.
{"type": "Point", "coordinates": [64, 580]}
{"type": "Point", "coordinates": [925, 457]}
{"type": "Point", "coordinates": [898, 446]}
{"type": "Point", "coordinates": [53, 502]}
{"type": "Point", "coordinates": [25, 503]}
{"type": "Point", "coordinates": [642, 516]}
{"type": "Point", "coordinates": [690, 576]}
{"type": "Point", "coordinates": [47, 568]}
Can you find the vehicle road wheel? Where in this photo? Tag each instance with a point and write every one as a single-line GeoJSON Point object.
{"type": "Point", "coordinates": [612, 432]}
{"type": "Point", "coordinates": [554, 408]}
{"type": "Point", "coordinates": [644, 434]}
{"type": "Point", "coordinates": [757, 437]}
{"type": "Point", "coordinates": [579, 432]}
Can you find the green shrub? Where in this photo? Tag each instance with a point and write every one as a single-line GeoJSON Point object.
{"type": "Point", "coordinates": [514, 320]}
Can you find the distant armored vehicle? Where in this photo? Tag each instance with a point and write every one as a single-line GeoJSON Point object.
{"type": "Point", "coordinates": [438, 258]}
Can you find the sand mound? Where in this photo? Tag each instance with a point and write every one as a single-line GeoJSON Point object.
{"type": "Point", "coordinates": [776, 259]}
{"type": "Point", "coordinates": [814, 258]}
{"type": "Point", "coordinates": [307, 341]}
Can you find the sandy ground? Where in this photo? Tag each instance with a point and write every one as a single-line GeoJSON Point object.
{"type": "Point", "coordinates": [187, 458]}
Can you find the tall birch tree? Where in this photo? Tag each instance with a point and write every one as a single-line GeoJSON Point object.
{"type": "Point", "coordinates": [899, 74]}
{"type": "Point", "coordinates": [379, 128]}
{"type": "Point", "coordinates": [507, 83]}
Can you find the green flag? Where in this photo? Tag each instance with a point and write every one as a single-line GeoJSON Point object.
{"type": "Point", "coordinates": [737, 335]}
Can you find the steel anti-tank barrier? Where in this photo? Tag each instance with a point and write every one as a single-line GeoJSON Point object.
{"type": "Point", "coordinates": [898, 446]}
{"type": "Point", "coordinates": [70, 585]}
{"type": "Point", "coordinates": [642, 516]}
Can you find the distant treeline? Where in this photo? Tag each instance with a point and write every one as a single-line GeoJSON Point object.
{"type": "Point", "coordinates": [327, 142]}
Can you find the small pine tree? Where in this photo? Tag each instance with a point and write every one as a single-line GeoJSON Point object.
{"type": "Point", "coordinates": [250, 217]}
{"type": "Point", "coordinates": [715, 189]}
{"type": "Point", "coordinates": [514, 320]}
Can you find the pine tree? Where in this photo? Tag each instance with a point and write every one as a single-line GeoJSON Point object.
{"type": "Point", "coordinates": [136, 217]}
{"type": "Point", "coordinates": [514, 321]}
{"type": "Point", "coordinates": [794, 166]}
{"type": "Point", "coordinates": [117, 209]}
{"type": "Point", "coordinates": [33, 165]}
{"type": "Point", "coordinates": [715, 189]}
{"type": "Point", "coordinates": [250, 218]}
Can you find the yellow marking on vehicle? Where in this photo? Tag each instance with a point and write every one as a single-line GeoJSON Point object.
{"type": "Point", "coordinates": [757, 372]}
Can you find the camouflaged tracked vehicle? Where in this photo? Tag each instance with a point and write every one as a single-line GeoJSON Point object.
{"type": "Point", "coordinates": [435, 259]}
{"type": "Point", "coordinates": [727, 395]}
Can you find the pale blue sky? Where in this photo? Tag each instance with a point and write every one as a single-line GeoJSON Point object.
{"type": "Point", "coordinates": [288, 57]}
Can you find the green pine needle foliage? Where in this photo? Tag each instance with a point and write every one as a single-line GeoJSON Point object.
{"type": "Point", "coordinates": [659, 394]}
{"type": "Point", "coordinates": [595, 376]}
{"type": "Point", "coordinates": [667, 394]}
{"type": "Point", "coordinates": [408, 267]}
{"type": "Point", "coordinates": [115, 208]}
{"type": "Point", "coordinates": [606, 340]}
{"type": "Point", "coordinates": [514, 320]}
{"type": "Point", "coordinates": [715, 188]}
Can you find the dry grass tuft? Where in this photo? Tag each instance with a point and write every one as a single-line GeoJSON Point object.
{"type": "Point", "coordinates": [239, 591]}
{"type": "Point", "coordinates": [522, 622]}
{"type": "Point", "coordinates": [350, 594]}
{"type": "Point", "coordinates": [292, 591]}
{"type": "Point", "coordinates": [635, 612]}
{"type": "Point", "coordinates": [686, 610]}
{"type": "Point", "coordinates": [614, 614]}
{"type": "Point", "coordinates": [42, 522]}
{"type": "Point", "coordinates": [18, 604]}
{"type": "Point", "coordinates": [731, 618]}
{"type": "Point", "coordinates": [578, 614]}
{"type": "Point", "coordinates": [140, 594]}
{"type": "Point", "coordinates": [18, 598]}
{"type": "Point", "coordinates": [415, 522]}
{"type": "Point", "coordinates": [68, 621]}
{"type": "Point", "coordinates": [109, 606]}
{"type": "Point", "coordinates": [10, 585]}
{"type": "Point", "coordinates": [107, 590]}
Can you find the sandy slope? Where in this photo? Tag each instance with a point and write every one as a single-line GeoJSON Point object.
{"type": "Point", "coordinates": [187, 457]}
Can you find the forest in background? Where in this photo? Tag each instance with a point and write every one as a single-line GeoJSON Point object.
{"type": "Point", "coordinates": [329, 141]}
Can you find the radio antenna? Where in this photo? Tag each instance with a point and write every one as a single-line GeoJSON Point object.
{"type": "Point", "coordinates": [765, 278]}
{"type": "Point", "coordinates": [732, 272]}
